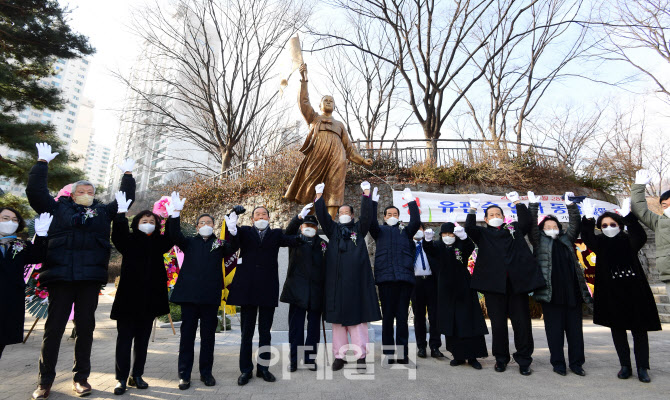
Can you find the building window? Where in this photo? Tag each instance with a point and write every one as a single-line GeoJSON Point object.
{"type": "Point", "coordinates": [72, 113]}
{"type": "Point", "coordinates": [46, 114]}
{"type": "Point", "coordinates": [66, 135]}
{"type": "Point", "coordinates": [75, 97]}
{"type": "Point", "coordinates": [68, 128]}
{"type": "Point", "coordinates": [80, 83]}
{"type": "Point", "coordinates": [70, 120]}
{"type": "Point", "coordinates": [77, 90]}
{"type": "Point", "coordinates": [73, 105]}
{"type": "Point", "coordinates": [85, 62]}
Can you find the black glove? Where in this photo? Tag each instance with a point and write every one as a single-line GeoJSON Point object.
{"type": "Point", "coordinates": [239, 210]}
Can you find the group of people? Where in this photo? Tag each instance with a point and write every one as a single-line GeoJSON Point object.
{"type": "Point", "coordinates": [331, 280]}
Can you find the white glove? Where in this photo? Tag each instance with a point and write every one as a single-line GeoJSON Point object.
{"type": "Point", "coordinates": [407, 195]}
{"type": "Point", "coordinates": [375, 195]}
{"type": "Point", "coordinates": [42, 224]}
{"type": "Point", "coordinates": [319, 188]}
{"type": "Point", "coordinates": [231, 223]}
{"type": "Point", "coordinates": [642, 177]}
{"type": "Point", "coordinates": [625, 207]}
{"type": "Point", "coordinates": [451, 217]}
{"type": "Point", "coordinates": [169, 208]}
{"type": "Point", "coordinates": [513, 196]}
{"type": "Point", "coordinates": [459, 231]}
{"type": "Point", "coordinates": [589, 208]}
{"type": "Point", "coordinates": [365, 185]}
{"type": "Point", "coordinates": [305, 211]}
{"type": "Point", "coordinates": [474, 203]}
{"type": "Point", "coordinates": [44, 152]}
{"type": "Point", "coordinates": [122, 203]}
{"type": "Point", "coordinates": [127, 165]}
{"type": "Point", "coordinates": [177, 203]}
{"type": "Point", "coordinates": [532, 198]}
{"type": "Point", "coordinates": [428, 234]}
{"type": "Point", "coordinates": [567, 198]}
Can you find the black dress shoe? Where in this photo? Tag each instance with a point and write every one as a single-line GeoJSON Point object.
{"type": "Point", "coordinates": [338, 364]}
{"type": "Point", "coordinates": [624, 373]}
{"type": "Point", "coordinates": [455, 363]}
{"type": "Point", "coordinates": [643, 375]}
{"type": "Point", "coordinates": [361, 366]}
{"type": "Point", "coordinates": [421, 353]}
{"type": "Point", "coordinates": [436, 353]}
{"type": "Point", "coordinates": [266, 375]}
{"type": "Point", "coordinates": [208, 380]}
{"type": "Point", "coordinates": [525, 371]}
{"type": "Point", "coordinates": [474, 363]}
{"type": "Point", "coordinates": [120, 388]}
{"type": "Point", "coordinates": [312, 366]}
{"type": "Point", "coordinates": [292, 367]}
{"type": "Point", "coordinates": [500, 366]}
{"type": "Point", "coordinates": [137, 382]}
{"type": "Point", "coordinates": [184, 384]}
{"type": "Point", "coordinates": [578, 371]}
{"type": "Point", "coordinates": [244, 378]}
{"type": "Point", "coordinates": [560, 371]}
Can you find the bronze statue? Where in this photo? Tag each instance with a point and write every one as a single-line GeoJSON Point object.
{"type": "Point", "coordinates": [327, 151]}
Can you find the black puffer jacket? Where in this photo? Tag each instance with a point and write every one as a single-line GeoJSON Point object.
{"type": "Point", "coordinates": [79, 245]}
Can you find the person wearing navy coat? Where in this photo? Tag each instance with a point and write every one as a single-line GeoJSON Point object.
{"type": "Point", "coordinates": [394, 271]}
{"type": "Point", "coordinates": [255, 286]}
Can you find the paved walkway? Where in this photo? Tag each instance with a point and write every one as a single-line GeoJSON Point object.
{"type": "Point", "coordinates": [433, 379]}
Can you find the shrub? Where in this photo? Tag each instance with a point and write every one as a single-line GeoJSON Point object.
{"type": "Point", "coordinates": [175, 312]}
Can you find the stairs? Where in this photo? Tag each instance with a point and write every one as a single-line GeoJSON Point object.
{"type": "Point", "coordinates": [662, 301]}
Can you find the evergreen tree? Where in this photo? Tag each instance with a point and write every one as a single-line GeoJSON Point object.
{"type": "Point", "coordinates": [34, 34]}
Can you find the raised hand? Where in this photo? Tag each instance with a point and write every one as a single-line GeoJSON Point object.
{"type": "Point", "coordinates": [532, 198]}
{"type": "Point", "coordinates": [375, 195]}
{"type": "Point", "coordinates": [625, 207]}
{"type": "Point", "coordinates": [176, 202]}
{"type": "Point", "coordinates": [319, 188]}
{"type": "Point", "coordinates": [642, 177]}
{"type": "Point", "coordinates": [589, 208]}
{"type": "Point", "coordinates": [44, 152]}
{"type": "Point", "coordinates": [126, 166]}
{"type": "Point", "coordinates": [428, 235]}
{"type": "Point", "coordinates": [239, 210]}
{"type": "Point", "coordinates": [122, 202]}
{"type": "Point", "coordinates": [365, 185]}
{"type": "Point", "coordinates": [42, 224]}
{"type": "Point", "coordinates": [567, 198]}
{"type": "Point", "coordinates": [231, 223]}
{"type": "Point", "coordinates": [513, 196]}
{"type": "Point", "coordinates": [407, 195]}
{"type": "Point", "coordinates": [459, 231]}
{"type": "Point", "coordinates": [474, 204]}
{"type": "Point", "coordinates": [305, 210]}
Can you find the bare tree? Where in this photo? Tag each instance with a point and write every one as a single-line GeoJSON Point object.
{"type": "Point", "coordinates": [658, 162]}
{"type": "Point", "coordinates": [434, 47]}
{"type": "Point", "coordinates": [639, 35]}
{"type": "Point", "coordinates": [211, 69]}
{"type": "Point", "coordinates": [520, 71]}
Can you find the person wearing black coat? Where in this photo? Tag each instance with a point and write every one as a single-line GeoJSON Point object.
{"type": "Point", "coordinates": [75, 267]}
{"type": "Point", "coordinates": [350, 296]}
{"type": "Point", "coordinates": [197, 291]}
{"type": "Point", "coordinates": [255, 287]}
{"type": "Point", "coordinates": [15, 254]}
{"type": "Point", "coordinates": [141, 295]}
{"type": "Point", "coordinates": [424, 297]}
{"type": "Point", "coordinates": [303, 288]}
{"type": "Point", "coordinates": [622, 298]}
{"type": "Point", "coordinates": [566, 290]}
{"type": "Point", "coordinates": [459, 315]}
{"type": "Point", "coordinates": [394, 272]}
{"type": "Point", "coordinates": [505, 272]}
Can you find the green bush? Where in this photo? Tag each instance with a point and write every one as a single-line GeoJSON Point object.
{"type": "Point", "coordinates": [175, 312]}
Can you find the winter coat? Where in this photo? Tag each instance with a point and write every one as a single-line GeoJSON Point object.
{"type": "Point", "coordinates": [306, 271]}
{"type": "Point", "coordinates": [79, 245]}
{"type": "Point", "coordinates": [394, 256]}
{"type": "Point", "coordinates": [200, 278]}
{"type": "Point", "coordinates": [350, 295]}
{"type": "Point", "coordinates": [657, 223]}
{"type": "Point", "coordinates": [504, 256]}
{"type": "Point", "coordinates": [12, 285]}
{"type": "Point", "coordinates": [256, 279]}
{"type": "Point", "coordinates": [622, 297]}
{"type": "Point", "coordinates": [142, 290]}
{"type": "Point", "coordinates": [458, 311]}
{"type": "Point", "coordinates": [542, 247]}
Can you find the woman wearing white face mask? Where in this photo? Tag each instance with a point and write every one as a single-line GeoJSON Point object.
{"type": "Point", "coordinates": [459, 315]}
{"type": "Point", "coordinates": [303, 289]}
{"type": "Point", "coordinates": [15, 253]}
{"type": "Point", "coordinates": [622, 297]}
{"type": "Point", "coordinates": [142, 293]}
{"type": "Point", "coordinates": [566, 289]}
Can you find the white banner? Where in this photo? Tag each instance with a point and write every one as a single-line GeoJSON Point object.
{"type": "Point", "coordinates": [435, 207]}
